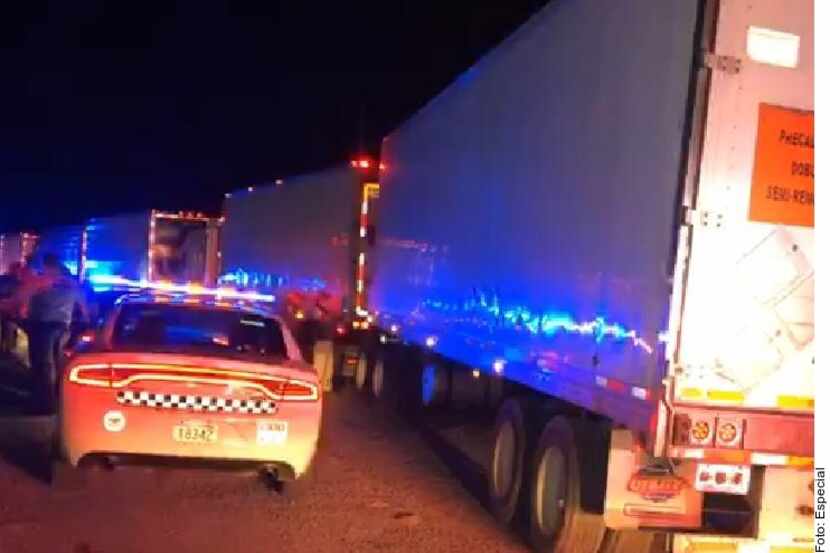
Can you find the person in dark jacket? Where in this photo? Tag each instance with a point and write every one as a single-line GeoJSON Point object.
{"type": "Point", "coordinates": [50, 312]}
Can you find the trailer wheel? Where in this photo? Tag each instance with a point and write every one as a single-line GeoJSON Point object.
{"type": "Point", "coordinates": [507, 458]}
{"type": "Point", "coordinates": [378, 377]}
{"type": "Point", "coordinates": [361, 374]}
{"type": "Point", "coordinates": [434, 384]}
{"type": "Point", "coordinates": [558, 522]}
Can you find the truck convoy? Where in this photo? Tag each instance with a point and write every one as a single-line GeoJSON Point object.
{"type": "Point", "coordinates": [601, 234]}
{"type": "Point", "coordinates": [605, 229]}
{"type": "Point", "coordinates": [122, 252]}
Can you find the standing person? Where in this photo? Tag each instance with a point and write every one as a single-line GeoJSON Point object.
{"type": "Point", "coordinates": [50, 309]}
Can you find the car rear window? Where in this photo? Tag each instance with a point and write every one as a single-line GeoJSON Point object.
{"type": "Point", "coordinates": [155, 327]}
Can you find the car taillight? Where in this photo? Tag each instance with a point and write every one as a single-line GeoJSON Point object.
{"type": "Point", "coordinates": [120, 375]}
{"type": "Point", "coordinates": [294, 390]}
{"type": "Point", "coordinates": [91, 375]}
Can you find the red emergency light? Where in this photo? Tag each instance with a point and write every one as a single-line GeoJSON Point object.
{"type": "Point", "coordinates": [362, 163]}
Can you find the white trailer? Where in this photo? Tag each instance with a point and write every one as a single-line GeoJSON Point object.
{"type": "Point", "coordinates": [605, 228]}
{"type": "Point", "coordinates": [15, 247]}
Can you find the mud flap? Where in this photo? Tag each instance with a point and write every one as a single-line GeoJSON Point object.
{"type": "Point", "coordinates": [643, 492]}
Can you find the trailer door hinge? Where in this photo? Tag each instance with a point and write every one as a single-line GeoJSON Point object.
{"type": "Point", "coordinates": [731, 65]}
{"type": "Point", "coordinates": [703, 218]}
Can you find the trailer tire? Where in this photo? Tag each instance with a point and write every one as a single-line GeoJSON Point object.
{"type": "Point", "coordinates": [558, 523]}
{"type": "Point", "coordinates": [434, 384]}
{"type": "Point", "coordinates": [505, 474]}
{"type": "Point", "coordinates": [362, 374]}
{"type": "Point", "coordinates": [379, 377]}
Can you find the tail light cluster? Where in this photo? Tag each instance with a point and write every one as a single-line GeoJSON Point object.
{"type": "Point", "coordinates": [105, 375]}
{"type": "Point", "coordinates": [708, 431]}
{"type": "Point", "coordinates": [731, 479]}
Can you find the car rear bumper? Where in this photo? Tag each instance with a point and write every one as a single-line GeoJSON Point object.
{"type": "Point", "coordinates": [145, 433]}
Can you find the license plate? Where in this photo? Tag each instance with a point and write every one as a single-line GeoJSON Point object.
{"type": "Point", "coordinates": [195, 433]}
{"type": "Point", "coordinates": [271, 432]}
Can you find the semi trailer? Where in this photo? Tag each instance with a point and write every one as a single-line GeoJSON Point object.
{"type": "Point", "coordinates": [603, 231]}
{"type": "Point", "coordinates": [154, 246]}
{"type": "Point", "coordinates": [66, 242]}
{"type": "Point", "coordinates": [15, 247]}
{"type": "Point", "coordinates": [303, 239]}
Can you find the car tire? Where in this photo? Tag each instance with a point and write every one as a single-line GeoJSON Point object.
{"type": "Point", "coordinates": [558, 523]}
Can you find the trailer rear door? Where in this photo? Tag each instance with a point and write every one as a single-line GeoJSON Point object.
{"type": "Point", "coordinates": [745, 337]}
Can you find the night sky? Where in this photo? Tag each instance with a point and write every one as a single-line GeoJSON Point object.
{"type": "Point", "coordinates": [111, 107]}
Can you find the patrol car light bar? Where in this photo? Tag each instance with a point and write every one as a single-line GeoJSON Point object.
{"type": "Point", "coordinates": [192, 289]}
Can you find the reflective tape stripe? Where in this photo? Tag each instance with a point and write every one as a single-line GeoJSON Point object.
{"type": "Point", "coordinates": [740, 457]}
{"type": "Point", "coordinates": [711, 547]}
{"type": "Point", "coordinates": [691, 393]}
{"type": "Point", "coordinates": [725, 395]}
{"type": "Point", "coordinates": [796, 402]}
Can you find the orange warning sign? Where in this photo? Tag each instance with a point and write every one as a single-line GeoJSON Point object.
{"type": "Point", "coordinates": [783, 181]}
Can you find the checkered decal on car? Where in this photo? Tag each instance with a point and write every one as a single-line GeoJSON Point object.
{"type": "Point", "coordinates": [197, 403]}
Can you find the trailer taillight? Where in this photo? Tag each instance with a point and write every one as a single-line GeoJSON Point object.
{"type": "Point", "coordinates": [708, 431]}
{"type": "Point", "coordinates": [729, 433]}
{"type": "Point", "coordinates": [730, 479]}
{"type": "Point", "coordinates": [701, 432]}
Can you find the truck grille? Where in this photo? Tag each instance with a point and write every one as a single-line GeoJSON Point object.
{"type": "Point", "coordinates": [188, 402]}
